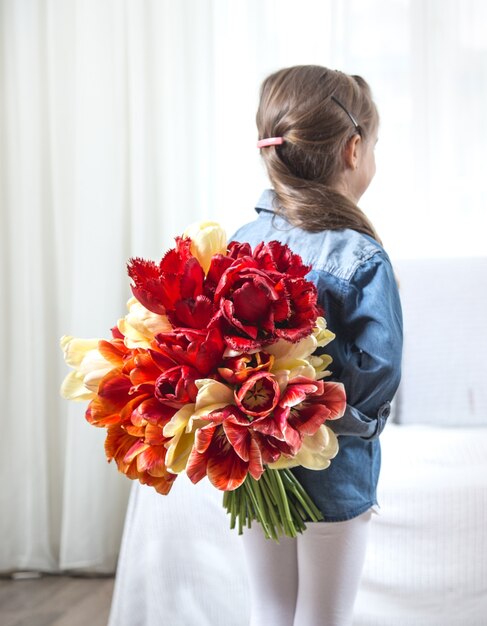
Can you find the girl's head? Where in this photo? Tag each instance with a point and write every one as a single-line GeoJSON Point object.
{"type": "Point", "coordinates": [328, 122]}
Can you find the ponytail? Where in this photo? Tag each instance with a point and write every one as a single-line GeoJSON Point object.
{"type": "Point", "coordinates": [311, 107]}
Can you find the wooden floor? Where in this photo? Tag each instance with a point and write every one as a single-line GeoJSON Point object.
{"type": "Point", "coordinates": [55, 601]}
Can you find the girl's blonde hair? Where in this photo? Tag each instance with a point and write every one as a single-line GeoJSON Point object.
{"type": "Point", "coordinates": [317, 111]}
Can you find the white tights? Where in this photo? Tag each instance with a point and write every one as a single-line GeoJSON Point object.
{"type": "Point", "coordinates": [308, 581]}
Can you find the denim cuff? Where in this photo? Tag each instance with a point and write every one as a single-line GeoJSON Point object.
{"type": "Point", "coordinates": [355, 423]}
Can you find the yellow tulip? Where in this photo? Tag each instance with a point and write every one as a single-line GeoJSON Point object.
{"type": "Point", "coordinates": [212, 395]}
{"type": "Point", "coordinates": [320, 365]}
{"type": "Point", "coordinates": [294, 368]}
{"type": "Point", "coordinates": [140, 325]}
{"type": "Point", "coordinates": [181, 428]}
{"type": "Point", "coordinates": [322, 334]}
{"type": "Point", "coordinates": [315, 453]}
{"type": "Point", "coordinates": [207, 239]}
{"type": "Point", "coordinates": [89, 368]}
{"type": "Point", "coordinates": [298, 358]}
{"type": "Point", "coordinates": [302, 349]}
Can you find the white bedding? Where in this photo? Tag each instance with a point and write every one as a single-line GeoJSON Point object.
{"type": "Point", "coordinates": [427, 558]}
{"type": "Point", "coordinates": [180, 565]}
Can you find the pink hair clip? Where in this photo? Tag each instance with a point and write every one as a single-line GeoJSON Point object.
{"type": "Point", "coordinates": [270, 141]}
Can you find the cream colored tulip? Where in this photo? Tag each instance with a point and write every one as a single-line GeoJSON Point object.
{"type": "Point", "coordinates": [294, 368]}
{"type": "Point", "coordinates": [292, 359]}
{"type": "Point", "coordinates": [181, 428]}
{"type": "Point", "coordinates": [302, 349]}
{"type": "Point", "coordinates": [320, 365]}
{"type": "Point", "coordinates": [315, 453]}
{"type": "Point", "coordinates": [89, 368]}
{"type": "Point", "coordinates": [322, 334]}
{"type": "Point", "coordinates": [75, 349]}
{"type": "Point", "coordinates": [207, 239]}
{"type": "Point", "coordinates": [298, 358]}
{"type": "Point", "coordinates": [211, 394]}
{"type": "Point", "coordinates": [140, 325]}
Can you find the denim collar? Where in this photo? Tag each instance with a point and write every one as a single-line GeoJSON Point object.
{"type": "Point", "coordinates": [267, 201]}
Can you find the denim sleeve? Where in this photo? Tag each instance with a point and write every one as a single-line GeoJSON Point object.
{"type": "Point", "coordinates": [372, 349]}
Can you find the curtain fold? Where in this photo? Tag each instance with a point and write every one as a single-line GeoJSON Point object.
{"type": "Point", "coordinates": [123, 121]}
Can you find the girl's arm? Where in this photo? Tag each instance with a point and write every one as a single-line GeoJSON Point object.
{"type": "Point", "coordinates": [372, 322]}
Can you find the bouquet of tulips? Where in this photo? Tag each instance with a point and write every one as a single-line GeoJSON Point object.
{"type": "Point", "coordinates": [214, 371]}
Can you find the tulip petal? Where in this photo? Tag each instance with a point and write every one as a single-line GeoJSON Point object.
{"type": "Point", "coordinates": [113, 351]}
{"type": "Point", "coordinates": [161, 485]}
{"type": "Point", "coordinates": [117, 443]}
{"type": "Point", "coordinates": [256, 468]}
{"type": "Point", "coordinates": [297, 392]}
{"type": "Point", "coordinates": [138, 447]}
{"type": "Point", "coordinates": [73, 388]}
{"type": "Point", "coordinates": [211, 392]}
{"type": "Point", "coordinates": [293, 438]}
{"type": "Point", "coordinates": [310, 418]}
{"type": "Point", "coordinates": [101, 413]}
{"type": "Point", "coordinates": [302, 349]}
{"type": "Point", "coordinates": [135, 431]}
{"type": "Point", "coordinates": [204, 438]}
{"type": "Point", "coordinates": [322, 334]}
{"type": "Point", "coordinates": [207, 239]}
{"type": "Point", "coordinates": [318, 449]}
{"type": "Point", "coordinates": [218, 413]}
{"type": "Point", "coordinates": [295, 368]}
{"type": "Point", "coordinates": [152, 460]}
{"type": "Point", "coordinates": [75, 349]}
{"type": "Point", "coordinates": [140, 325]}
{"type": "Point", "coordinates": [335, 398]}
{"type": "Point", "coordinates": [267, 445]}
{"type": "Point", "coordinates": [227, 472]}
{"type": "Point", "coordinates": [258, 395]}
{"type": "Point", "coordinates": [239, 437]}
{"type": "Point", "coordinates": [283, 462]}
{"type": "Point", "coordinates": [151, 411]}
{"type": "Point", "coordinates": [148, 284]}
{"type": "Point", "coordinates": [153, 435]}
{"type": "Point", "coordinates": [115, 388]}
{"type": "Point", "coordinates": [92, 379]}
{"type": "Point", "coordinates": [196, 466]}
{"type": "Point", "coordinates": [179, 421]}
{"type": "Point", "coordinates": [178, 452]}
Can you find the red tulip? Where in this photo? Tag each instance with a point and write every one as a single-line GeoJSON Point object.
{"type": "Point", "coordinates": [258, 305]}
{"type": "Point", "coordinates": [259, 395]}
{"type": "Point", "coordinates": [176, 387]}
{"type": "Point", "coordinates": [214, 456]}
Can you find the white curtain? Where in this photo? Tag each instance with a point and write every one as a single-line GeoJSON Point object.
{"type": "Point", "coordinates": [121, 121]}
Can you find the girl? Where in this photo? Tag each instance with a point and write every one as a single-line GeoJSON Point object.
{"type": "Point", "coordinates": [317, 131]}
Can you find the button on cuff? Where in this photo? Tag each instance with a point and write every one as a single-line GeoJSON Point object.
{"type": "Point", "coordinates": [385, 410]}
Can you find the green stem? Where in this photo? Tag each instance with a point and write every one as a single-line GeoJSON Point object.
{"type": "Point", "coordinates": [271, 502]}
{"type": "Point", "coordinates": [233, 513]}
{"type": "Point", "coordinates": [294, 486]}
{"type": "Point", "coordinates": [298, 516]}
{"type": "Point", "coordinates": [282, 491]}
{"type": "Point", "coordinates": [277, 501]}
{"type": "Point", "coordinates": [267, 480]}
{"type": "Point", "coordinates": [258, 509]}
{"type": "Point", "coordinates": [282, 503]}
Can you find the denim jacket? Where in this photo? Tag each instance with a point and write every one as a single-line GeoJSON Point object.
{"type": "Point", "coordinates": [358, 292]}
